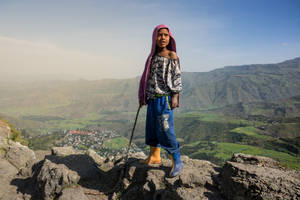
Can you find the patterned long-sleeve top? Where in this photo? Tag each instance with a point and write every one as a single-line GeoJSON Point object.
{"type": "Point", "coordinates": [164, 77]}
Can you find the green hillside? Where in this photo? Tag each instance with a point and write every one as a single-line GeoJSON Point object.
{"type": "Point", "coordinates": [247, 83]}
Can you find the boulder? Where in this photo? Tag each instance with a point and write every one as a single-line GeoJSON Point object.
{"type": "Point", "coordinates": [255, 177]}
{"type": "Point", "coordinates": [19, 155]}
{"type": "Point", "coordinates": [255, 160]}
{"type": "Point", "coordinates": [63, 151]}
{"type": "Point", "coordinates": [83, 164]}
{"type": "Point", "coordinates": [97, 158]}
{"type": "Point", "coordinates": [53, 177]}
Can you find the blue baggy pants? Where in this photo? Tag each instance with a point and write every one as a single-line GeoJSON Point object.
{"type": "Point", "coordinates": [160, 124]}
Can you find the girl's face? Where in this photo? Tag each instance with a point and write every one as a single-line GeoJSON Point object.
{"type": "Point", "coordinates": [163, 38]}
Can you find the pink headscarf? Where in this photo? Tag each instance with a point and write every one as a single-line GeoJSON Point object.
{"type": "Point", "coordinates": [145, 76]}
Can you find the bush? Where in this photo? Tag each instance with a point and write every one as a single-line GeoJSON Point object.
{"type": "Point", "coordinates": [16, 135]}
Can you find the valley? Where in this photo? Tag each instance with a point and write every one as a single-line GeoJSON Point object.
{"type": "Point", "coordinates": [251, 109]}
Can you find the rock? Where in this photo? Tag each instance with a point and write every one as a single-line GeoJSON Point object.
{"type": "Point", "coordinates": [52, 178]}
{"type": "Point", "coordinates": [97, 158]}
{"type": "Point", "coordinates": [5, 130]}
{"type": "Point", "coordinates": [114, 196]}
{"type": "Point", "coordinates": [193, 177]}
{"type": "Point", "coordinates": [255, 160]}
{"type": "Point", "coordinates": [139, 155]}
{"type": "Point", "coordinates": [2, 149]}
{"type": "Point", "coordinates": [7, 173]}
{"type": "Point", "coordinates": [25, 171]}
{"type": "Point", "coordinates": [126, 183]}
{"type": "Point", "coordinates": [40, 154]}
{"type": "Point", "coordinates": [193, 183]}
{"type": "Point", "coordinates": [83, 164]}
{"type": "Point", "coordinates": [256, 177]}
{"type": "Point", "coordinates": [152, 182]}
{"type": "Point", "coordinates": [189, 193]}
{"type": "Point", "coordinates": [63, 151]}
{"type": "Point", "coordinates": [4, 135]}
{"type": "Point", "coordinates": [57, 176]}
{"type": "Point", "coordinates": [155, 179]}
{"type": "Point", "coordinates": [19, 155]}
{"type": "Point", "coordinates": [73, 193]}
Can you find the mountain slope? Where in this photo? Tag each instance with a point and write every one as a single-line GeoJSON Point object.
{"type": "Point", "coordinates": [229, 85]}
{"type": "Point", "coordinates": [245, 83]}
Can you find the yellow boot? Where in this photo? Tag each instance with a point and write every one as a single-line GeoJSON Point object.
{"type": "Point", "coordinates": [153, 158]}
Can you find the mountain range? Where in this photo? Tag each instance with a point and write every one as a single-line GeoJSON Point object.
{"type": "Point", "coordinates": [201, 91]}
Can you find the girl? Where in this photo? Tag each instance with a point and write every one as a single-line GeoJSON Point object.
{"type": "Point", "coordinates": [160, 85]}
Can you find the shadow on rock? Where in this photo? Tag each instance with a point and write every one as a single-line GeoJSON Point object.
{"type": "Point", "coordinates": [27, 185]}
{"type": "Point", "coordinates": [101, 177]}
{"type": "Point", "coordinates": [56, 173]}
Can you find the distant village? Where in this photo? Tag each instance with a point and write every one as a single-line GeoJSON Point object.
{"type": "Point", "coordinates": [94, 139]}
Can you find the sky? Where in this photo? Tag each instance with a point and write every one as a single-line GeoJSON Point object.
{"type": "Point", "coordinates": [95, 39]}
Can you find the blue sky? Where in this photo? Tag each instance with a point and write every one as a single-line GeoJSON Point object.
{"type": "Point", "coordinates": [111, 39]}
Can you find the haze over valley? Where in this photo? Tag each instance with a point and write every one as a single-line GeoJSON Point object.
{"type": "Point", "coordinates": [251, 108]}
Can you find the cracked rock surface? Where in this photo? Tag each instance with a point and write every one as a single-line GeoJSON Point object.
{"type": "Point", "coordinates": [256, 177]}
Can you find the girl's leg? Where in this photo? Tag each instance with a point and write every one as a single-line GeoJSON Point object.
{"type": "Point", "coordinates": [151, 137]}
{"type": "Point", "coordinates": [166, 133]}
{"type": "Point", "coordinates": [165, 125]}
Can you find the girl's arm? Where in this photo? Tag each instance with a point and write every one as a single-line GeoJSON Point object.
{"type": "Point", "coordinates": [176, 85]}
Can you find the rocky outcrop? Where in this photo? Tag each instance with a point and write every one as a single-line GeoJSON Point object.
{"type": "Point", "coordinates": [97, 158]}
{"type": "Point", "coordinates": [243, 177]}
{"type": "Point", "coordinates": [68, 174]}
{"type": "Point", "coordinates": [62, 151]}
{"type": "Point", "coordinates": [256, 177]}
{"type": "Point", "coordinates": [19, 155]}
{"type": "Point", "coordinates": [52, 178]}
{"type": "Point", "coordinates": [131, 180]}
{"type": "Point", "coordinates": [16, 161]}
{"type": "Point", "coordinates": [152, 182]}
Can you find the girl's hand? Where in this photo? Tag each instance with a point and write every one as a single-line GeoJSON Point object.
{"type": "Point", "coordinates": [141, 103]}
{"type": "Point", "coordinates": [174, 102]}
